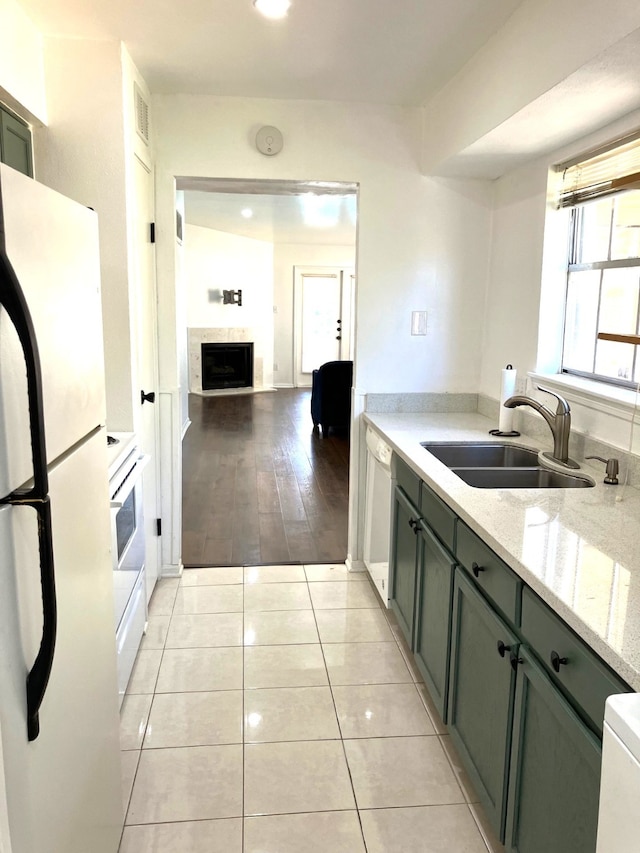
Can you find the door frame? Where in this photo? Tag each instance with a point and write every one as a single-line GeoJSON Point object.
{"type": "Point", "coordinates": [346, 276]}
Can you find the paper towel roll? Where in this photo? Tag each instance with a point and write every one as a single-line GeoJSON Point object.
{"type": "Point", "coordinates": [507, 389]}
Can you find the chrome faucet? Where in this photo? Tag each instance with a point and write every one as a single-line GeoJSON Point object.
{"type": "Point", "coordinates": [559, 424]}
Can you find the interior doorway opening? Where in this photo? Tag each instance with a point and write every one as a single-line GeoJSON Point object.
{"type": "Point", "coordinates": [252, 236]}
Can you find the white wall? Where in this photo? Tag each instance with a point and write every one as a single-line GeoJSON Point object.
{"type": "Point", "coordinates": [22, 85]}
{"type": "Point", "coordinates": [82, 154]}
{"type": "Point", "coordinates": [181, 322]}
{"type": "Point", "coordinates": [285, 257]}
{"type": "Point", "coordinates": [510, 322]}
{"type": "Point", "coordinates": [524, 311]}
{"type": "Point", "coordinates": [217, 261]}
{"type": "Point", "coordinates": [422, 243]}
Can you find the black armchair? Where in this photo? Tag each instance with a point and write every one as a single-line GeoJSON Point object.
{"type": "Point", "coordinates": [331, 395]}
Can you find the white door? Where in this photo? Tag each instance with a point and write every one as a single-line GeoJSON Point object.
{"type": "Point", "coordinates": [147, 355]}
{"type": "Point", "coordinates": [52, 244]}
{"type": "Point", "coordinates": [322, 318]}
{"type": "Point", "coordinates": [64, 788]}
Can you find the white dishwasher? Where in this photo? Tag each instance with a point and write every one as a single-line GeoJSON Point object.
{"type": "Point", "coordinates": [619, 815]}
{"type": "Point", "coordinates": [377, 521]}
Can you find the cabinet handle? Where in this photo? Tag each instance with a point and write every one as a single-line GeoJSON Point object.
{"type": "Point", "coordinates": [476, 569]}
{"type": "Point", "coordinates": [557, 661]}
{"type": "Point", "coordinates": [502, 648]}
{"type": "Point", "coordinates": [514, 660]}
{"type": "Point", "coordinates": [413, 524]}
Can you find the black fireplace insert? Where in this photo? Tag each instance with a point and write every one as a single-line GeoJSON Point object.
{"type": "Point", "coordinates": [227, 366]}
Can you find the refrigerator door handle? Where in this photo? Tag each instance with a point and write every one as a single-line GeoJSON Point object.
{"type": "Point", "coordinates": [38, 677]}
{"type": "Point", "coordinates": [13, 300]}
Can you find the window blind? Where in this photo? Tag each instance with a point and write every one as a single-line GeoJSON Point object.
{"type": "Point", "coordinates": [602, 173]}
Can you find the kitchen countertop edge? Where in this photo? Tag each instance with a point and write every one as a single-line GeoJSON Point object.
{"type": "Point", "coordinates": [495, 513]}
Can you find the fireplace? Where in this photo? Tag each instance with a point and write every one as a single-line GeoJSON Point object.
{"type": "Point", "coordinates": [227, 365]}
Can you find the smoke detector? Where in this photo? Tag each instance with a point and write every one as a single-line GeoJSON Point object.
{"type": "Point", "coordinates": [269, 140]}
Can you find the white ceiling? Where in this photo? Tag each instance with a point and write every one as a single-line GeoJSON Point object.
{"type": "Point", "coordinates": [301, 218]}
{"type": "Point", "coordinates": [378, 51]}
{"type": "Point", "coordinates": [282, 211]}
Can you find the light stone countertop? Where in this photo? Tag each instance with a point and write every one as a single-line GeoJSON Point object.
{"type": "Point", "coordinates": [579, 549]}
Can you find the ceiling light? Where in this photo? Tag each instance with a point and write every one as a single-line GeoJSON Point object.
{"type": "Point", "coordinates": [320, 211]}
{"type": "Point", "coordinates": [272, 8]}
{"type": "Point", "coordinates": [247, 213]}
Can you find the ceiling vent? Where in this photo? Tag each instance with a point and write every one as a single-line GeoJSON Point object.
{"type": "Point", "coordinates": [142, 114]}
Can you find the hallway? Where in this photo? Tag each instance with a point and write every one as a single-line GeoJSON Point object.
{"type": "Point", "coordinates": [272, 710]}
{"type": "Point", "coordinates": [259, 485]}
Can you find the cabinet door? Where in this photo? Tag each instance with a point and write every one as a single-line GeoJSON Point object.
{"type": "Point", "coordinates": [555, 770]}
{"type": "Point", "coordinates": [404, 548]}
{"type": "Point", "coordinates": [481, 693]}
{"type": "Point", "coordinates": [433, 616]}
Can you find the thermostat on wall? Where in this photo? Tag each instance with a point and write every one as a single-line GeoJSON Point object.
{"type": "Point", "coordinates": [269, 140]}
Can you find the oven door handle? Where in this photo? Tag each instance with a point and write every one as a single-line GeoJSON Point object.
{"type": "Point", "coordinates": [129, 483]}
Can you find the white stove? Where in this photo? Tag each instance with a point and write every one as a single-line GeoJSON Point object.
{"type": "Point", "coordinates": [126, 465]}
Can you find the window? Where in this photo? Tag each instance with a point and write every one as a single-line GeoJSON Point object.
{"type": "Point", "coordinates": [603, 276]}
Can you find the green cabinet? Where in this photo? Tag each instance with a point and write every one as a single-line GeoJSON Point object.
{"type": "Point", "coordinates": [554, 776]}
{"type": "Point", "coordinates": [521, 693]}
{"type": "Point", "coordinates": [481, 695]}
{"type": "Point", "coordinates": [15, 143]}
{"type": "Point", "coordinates": [572, 666]}
{"type": "Point", "coordinates": [404, 562]}
{"type": "Point", "coordinates": [433, 615]}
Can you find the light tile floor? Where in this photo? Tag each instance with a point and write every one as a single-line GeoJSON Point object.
{"type": "Point", "coordinates": [273, 709]}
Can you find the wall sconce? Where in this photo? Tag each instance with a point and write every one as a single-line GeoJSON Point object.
{"type": "Point", "coordinates": [232, 297]}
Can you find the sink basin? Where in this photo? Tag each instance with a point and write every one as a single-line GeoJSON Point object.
{"type": "Point", "coordinates": [482, 454]}
{"type": "Point", "coordinates": [520, 478]}
{"type": "Point", "coordinates": [496, 465]}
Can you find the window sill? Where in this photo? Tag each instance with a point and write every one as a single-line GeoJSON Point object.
{"type": "Point", "coordinates": [619, 402]}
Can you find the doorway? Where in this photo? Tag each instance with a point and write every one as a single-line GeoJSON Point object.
{"type": "Point", "coordinates": [323, 312]}
{"type": "Point", "coordinates": [287, 495]}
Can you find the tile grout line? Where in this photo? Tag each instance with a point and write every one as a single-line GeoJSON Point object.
{"type": "Point", "coordinates": [335, 711]}
{"type": "Point", "coordinates": [139, 751]}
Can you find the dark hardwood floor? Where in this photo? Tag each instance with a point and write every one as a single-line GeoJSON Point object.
{"type": "Point", "coordinates": [259, 485]}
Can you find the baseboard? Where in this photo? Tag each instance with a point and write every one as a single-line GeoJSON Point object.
{"type": "Point", "coordinates": [355, 565]}
{"type": "Point", "coordinates": [171, 571]}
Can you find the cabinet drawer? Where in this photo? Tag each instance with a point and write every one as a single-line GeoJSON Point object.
{"type": "Point", "coordinates": [438, 516]}
{"type": "Point", "coordinates": [408, 481]}
{"type": "Point", "coordinates": [584, 676]}
{"type": "Point", "coordinates": [492, 575]}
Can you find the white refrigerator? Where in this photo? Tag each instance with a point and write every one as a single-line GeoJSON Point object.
{"type": "Point", "coordinates": [58, 693]}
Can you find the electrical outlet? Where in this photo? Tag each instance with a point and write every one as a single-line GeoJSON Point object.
{"type": "Point", "coordinates": [418, 322]}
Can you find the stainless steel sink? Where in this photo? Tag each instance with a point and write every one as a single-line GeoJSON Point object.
{"type": "Point", "coordinates": [496, 465]}
{"type": "Point", "coordinates": [482, 454]}
{"type": "Point", "coordinates": [520, 478]}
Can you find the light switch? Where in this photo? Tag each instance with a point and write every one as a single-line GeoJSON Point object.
{"type": "Point", "coordinates": [418, 322]}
